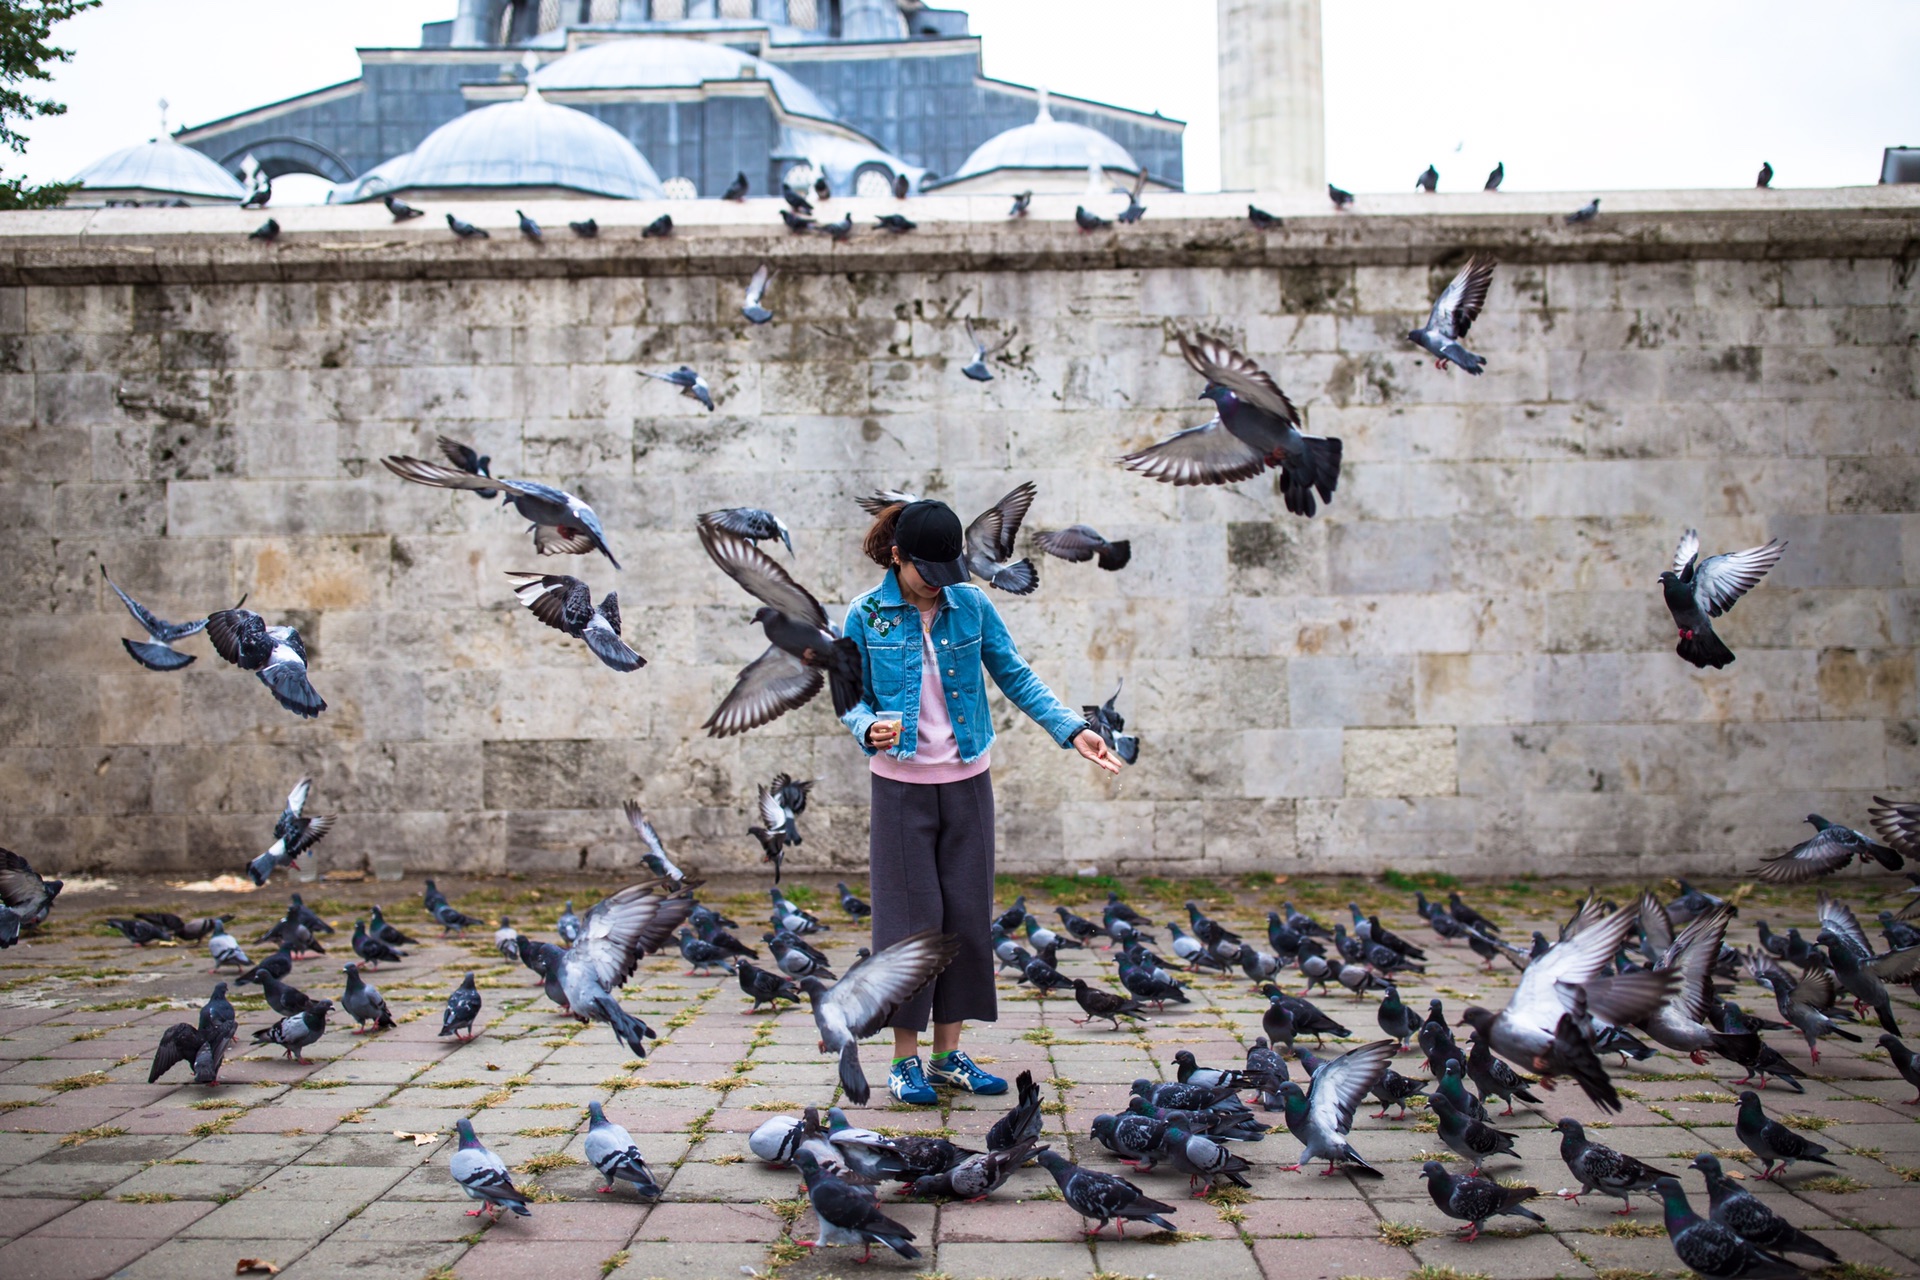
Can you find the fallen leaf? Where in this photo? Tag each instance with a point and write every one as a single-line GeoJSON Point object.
{"type": "Point", "coordinates": [419, 1139]}
{"type": "Point", "coordinates": [493, 1066]}
{"type": "Point", "coordinates": [260, 1266]}
{"type": "Point", "coordinates": [1735, 1173]}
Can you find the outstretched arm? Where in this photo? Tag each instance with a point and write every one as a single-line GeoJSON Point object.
{"type": "Point", "coordinates": [1030, 693]}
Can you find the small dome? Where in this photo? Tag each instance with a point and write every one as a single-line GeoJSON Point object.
{"type": "Point", "coordinates": [529, 143]}
{"type": "Point", "coordinates": [161, 167]}
{"type": "Point", "coordinates": [658, 62]}
{"type": "Point", "coordinates": [1047, 144]}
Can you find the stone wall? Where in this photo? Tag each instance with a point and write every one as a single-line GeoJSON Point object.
{"type": "Point", "coordinates": [1463, 662]}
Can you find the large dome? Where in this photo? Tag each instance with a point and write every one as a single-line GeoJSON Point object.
{"type": "Point", "coordinates": [529, 143]}
{"type": "Point", "coordinates": [655, 62]}
{"type": "Point", "coordinates": [161, 167]}
{"type": "Point", "coordinates": [1047, 144]}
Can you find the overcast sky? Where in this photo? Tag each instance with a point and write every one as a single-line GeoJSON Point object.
{"type": "Point", "coordinates": [1636, 93]}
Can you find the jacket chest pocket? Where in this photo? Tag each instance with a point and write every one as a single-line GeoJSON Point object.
{"type": "Point", "coordinates": [959, 662]}
{"type": "Point", "coordinates": [887, 661]}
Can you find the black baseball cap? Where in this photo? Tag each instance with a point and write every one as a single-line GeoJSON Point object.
{"type": "Point", "coordinates": [929, 534]}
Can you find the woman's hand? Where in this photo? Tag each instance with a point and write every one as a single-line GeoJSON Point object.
{"type": "Point", "coordinates": [883, 734]}
{"type": "Point", "coordinates": [1094, 747]}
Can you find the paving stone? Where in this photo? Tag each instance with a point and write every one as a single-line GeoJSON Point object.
{"type": "Point", "coordinates": [37, 1257]}
{"type": "Point", "coordinates": [997, 1262]}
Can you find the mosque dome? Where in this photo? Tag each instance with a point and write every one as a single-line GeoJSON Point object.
{"type": "Point", "coordinates": [529, 143]}
{"type": "Point", "coordinates": [158, 170]}
{"type": "Point", "coordinates": [662, 62]}
{"type": "Point", "coordinates": [1046, 144]}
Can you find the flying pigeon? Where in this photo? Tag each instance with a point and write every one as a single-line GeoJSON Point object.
{"type": "Point", "coordinates": [1089, 221]}
{"type": "Point", "coordinates": [1697, 591]}
{"type": "Point", "coordinates": [1863, 974]}
{"type": "Point", "coordinates": [902, 186]}
{"type": "Point", "coordinates": [899, 224]}
{"type": "Point", "coordinates": [1108, 723]}
{"type": "Point", "coordinates": [1022, 201]}
{"type": "Point", "coordinates": [1601, 1168]}
{"type": "Point", "coordinates": [1341, 199]}
{"type": "Point", "coordinates": [614, 934]}
{"type": "Point", "coordinates": [1134, 210]}
{"type": "Point", "coordinates": [737, 189]}
{"type": "Point", "coordinates": [466, 230]}
{"type": "Point", "coordinates": [691, 384]}
{"type": "Point", "coordinates": [274, 654]}
{"type": "Point", "coordinates": [1321, 1115]}
{"type": "Point", "coordinates": [1498, 176]}
{"type": "Point", "coordinates": [562, 524]}
{"type": "Point", "coordinates": [1474, 1198]}
{"type": "Point", "coordinates": [363, 1003]}
{"type": "Point", "coordinates": [1454, 311]}
{"type": "Point", "coordinates": [849, 1214]}
{"type": "Point", "coordinates": [1429, 181]}
{"type": "Point", "coordinates": [1586, 212]}
{"type": "Point", "coordinates": [611, 1150]}
{"type": "Point", "coordinates": [23, 890]}
{"type": "Point", "coordinates": [293, 834]}
{"type": "Point", "coordinates": [756, 290]}
{"type": "Point", "coordinates": [776, 828]}
{"type": "Point", "coordinates": [659, 228]}
{"type": "Point", "coordinates": [565, 604]}
{"type": "Point", "coordinates": [1736, 1207]}
{"type": "Point", "coordinates": [588, 228]}
{"type": "Point", "coordinates": [804, 651]}
{"type": "Point", "coordinates": [1772, 1141]}
{"type": "Point", "coordinates": [401, 210]}
{"type": "Point", "coordinates": [656, 855]}
{"type": "Point", "coordinates": [1830, 848]}
{"type": "Point", "coordinates": [468, 460]}
{"type": "Point", "coordinates": [1103, 1197]}
{"type": "Point", "coordinates": [483, 1176]}
{"type": "Point", "coordinates": [1765, 179]}
{"type": "Point", "coordinates": [752, 523]}
{"type": "Point", "coordinates": [295, 1033]}
{"type": "Point", "coordinates": [1262, 219]}
{"type": "Point", "coordinates": [268, 230]}
{"type": "Point", "coordinates": [160, 655]}
{"type": "Point", "coordinates": [528, 227]}
{"type": "Point", "coordinates": [990, 543]}
{"type": "Point", "coordinates": [977, 368]}
{"type": "Point", "coordinates": [1714, 1249]}
{"type": "Point", "coordinates": [1256, 427]}
{"type": "Point", "coordinates": [860, 1003]}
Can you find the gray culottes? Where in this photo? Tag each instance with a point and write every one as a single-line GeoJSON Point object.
{"type": "Point", "coordinates": [930, 866]}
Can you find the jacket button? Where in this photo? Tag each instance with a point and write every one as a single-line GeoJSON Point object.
{"type": "Point", "coordinates": [943, 642]}
{"type": "Point", "coordinates": [949, 670]}
{"type": "Point", "coordinates": [962, 719]}
{"type": "Point", "coordinates": [953, 693]}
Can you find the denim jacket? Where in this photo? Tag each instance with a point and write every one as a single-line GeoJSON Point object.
{"type": "Point", "coordinates": [969, 636]}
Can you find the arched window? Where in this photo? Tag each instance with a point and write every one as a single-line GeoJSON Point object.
{"type": "Point", "coordinates": [680, 189]}
{"type": "Point", "coordinates": [873, 182]}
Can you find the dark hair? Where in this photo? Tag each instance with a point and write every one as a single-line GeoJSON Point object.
{"type": "Point", "coordinates": [878, 544]}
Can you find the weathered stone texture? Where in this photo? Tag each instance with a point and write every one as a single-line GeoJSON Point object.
{"type": "Point", "coordinates": [1462, 661]}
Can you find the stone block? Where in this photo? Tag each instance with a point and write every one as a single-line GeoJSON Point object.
{"type": "Point", "coordinates": [1408, 556]}
{"type": "Point", "coordinates": [1350, 690]}
{"type": "Point", "coordinates": [1399, 762]}
{"type": "Point", "coordinates": [1284, 763]}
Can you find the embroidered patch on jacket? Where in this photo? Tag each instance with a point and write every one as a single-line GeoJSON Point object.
{"type": "Point", "coordinates": [877, 622]}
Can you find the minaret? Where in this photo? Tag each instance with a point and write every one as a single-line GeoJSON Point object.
{"type": "Point", "coordinates": [1272, 118]}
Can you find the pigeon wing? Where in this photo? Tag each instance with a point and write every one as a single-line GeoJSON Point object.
{"type": "Point", "coordinates": [1076, 542]}
{"type": "Point", "coordinates": [1839, 917]}
{"type": "Point", "coordinates": [771, 685]}
{"type": "Point", "coordinates": [1896, 966]}
{"type": "Point", "coordinates": [288, 683]}
{"type": "Point", "coordinates": [240, 636]}
{"type": "Point", "coordinates": [1219, 363]}
{"type": "Point", "coordinates": [747, 522]}
{"type": "Point", "coordinates": [160, 630]}
{"type": "Point", "coordinates": [440, 476]}
{"type": "Point", "coordinates": [616, 931]}
{"type": "Point", "coordinates": [20, 884]}
{"type": "Point", "coordinates": [757, 286]}
{"type": "Point", "coordinates": [310, 834]}
{"type": "Point", "coordinates": [1206, 454]}
{"type": "Point", "coordinates": [550, 540]}
{"type": "Point", "coordinates": [297, 800]}
{"type": "Point", "coordinates": [1656, 924]}
{"type": "Point", "coordinates": [1576, 961]}
{"type": "Point", "coordinates": [761, 575]}
{"type": "Point", "coordinates": [1339, 1086]}
{"type": "Point", "coordinates": [1721, 580]}
{"type": "Point", "coordinates": [880, 499]}
{"type": "Point", "coordinates": [771, 815]}
{"type": "Point", "coordinates": [993, 531]}
{"type": "Point", "coordinates": [870, 992]}
{"type": "Point", "coordinates": [1897, 823]}
{"type": "Point", "coordinates": [1692, 956]}
{"type": "Point", "coordinates": [1686, 549]}
{"type": "Point", "coordinates": [560, 601]}
{"type": "Point", "coordinates": [1459, 303]}
{"type": "Point", "coordinates": [602, 636]}
{"type": "Point", "coordinates": [1809, 860]}
{"type": "Point", "coordinates": [637, 817]}
{"type": "Point", "coordinates": [460, 455]}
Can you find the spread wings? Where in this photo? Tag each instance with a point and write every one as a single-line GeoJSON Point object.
{"type": "Point", "coordinates": [761, 575]}
{"type": "Point", "coordinates": [1455, 310]}
{"type": "Point", "coordinates": [618, 930]}
{"type": "Point", "coordinates": [870, 992]}
{"type": "Point", "coordinates": [1220, 364]}
{"type": "Point", "coordinates": [993, 531]}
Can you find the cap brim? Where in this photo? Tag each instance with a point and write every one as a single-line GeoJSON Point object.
{"type": "Point", "coordinates": [941, 573]}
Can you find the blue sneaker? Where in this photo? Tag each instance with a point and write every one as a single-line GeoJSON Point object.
{"type": "Point", "coordinates": [958, 1070]}
{"type": "Point", "coordinates": [907, 1084]}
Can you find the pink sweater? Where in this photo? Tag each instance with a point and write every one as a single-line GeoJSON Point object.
{"type": "Point", "coordinates": [936, 755]}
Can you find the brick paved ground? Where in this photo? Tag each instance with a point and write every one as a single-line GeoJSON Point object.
{"type": "Point", "coordinates": [102, 1174]}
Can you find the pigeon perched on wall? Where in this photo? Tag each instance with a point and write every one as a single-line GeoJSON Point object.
{"type": "Point", "coordinates": [1341, 199]}
{"type": "Point", "coordinates": [468, 460]}
{"type": "Point", "coordinates": [565, 604]}
{"type": "Point", "coordinates": [902, 186]}
{"type": "Point", "coordinates": [274, 654]}
{"type": "Point", "coordinates": [611, 1149]}
{"type": "Point", "coordinates": [1586, 212]}
{"type": "Point", "coordinates": [528, 227]}
{"type": "Point", "coordinates": [1134, 210]}
{"type": "Point", "coordinates": [977, 368]}
{"type": "Point", "coordinates": [562, 524]}
{"type": "Point", "coordinates": [1022, 201]}
{"type": "Point", "coordinates": [736, 190]}
{"type": "Point", "coordinates": [1429, 181]}
{"type": "Point", "coordinates": [1081, 543]}
{"type": "Point", "coordinates": [24, 891]}
{"type": "Point", "coordinates": [614, 934]}
{"type": "Point", "coordinates": [1828, 850]}
{"type": "Point", "coordinates": [588, 228]}
{"type": "Point", "coordinates": [1261, 219]}
{"type": "Point", "coordinates": [364, 1003]}
{"type": "Point", "coordinates": [839, 232]}
{"type": "Point", "coordinates": [752, 523]}
{"type": "Point", "coordinates": [466, 230]}
{"type": "Point", "coordinates": [1454, 312]}
{"type": "Point", "coordinates": [660, 228]}
{"type": "Point", "coordinates": [400, 209]}
{"type": "Point", "coordinates": [1107, 721]}
{"type": "Point", "coordinates": [805, 649]}
{"type": "Point", "coordinates": [1089, 221]}
{"type": "Point", "coordinates": [483, 1176]}
{"type": "Point", "coordinates": [1256, 427]}
{"type": "Point", "coordinates": [1697, 591]}
{"type": "Point", "coordinates": [268, 230]}
{"type": "Point", "coordinates": [159, 654]}
{"type": "Point", "coordinates": [899, 224]}
{"type": "Point", "coordinates": [1765, 179]}
{"type": "Point", "coordinates": [796, 200]}
{"type": "Point", "coordinates": [860, 1003]}
{"type": "Point", "coordinates": [293, 834]}
{"type": "Point", "coordinates": [796, 223]}
{"type": "Point", "coordinates": [1498, 176]}
{"type": "Point", "coordinates": [756, 291]}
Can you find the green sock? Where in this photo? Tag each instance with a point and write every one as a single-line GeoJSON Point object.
{"type": "Point", "coordinates": [897, 1061]}
{"type": "Point", "coordinates": [942, 1056]}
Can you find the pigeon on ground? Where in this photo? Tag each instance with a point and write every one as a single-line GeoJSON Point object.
{"type": "Point", "coordinates": [137, 931]}
{"type": "Point", "coordinates": [1022, 201]}
{"type": "Point", "coordinates": [1429, 181]}
{"type": "Point", "coordinates": [1139, 1140]}
{"type": "Point", "coordinates": [293, 835]}
{"type": "Point", "coordinates": [1204, 1161]}
{"type": "Point", "coordinates": [978, 1175]}
{"type": "Point", "coordinates": [567, 925]}
{"type": "Point", "coordinates": [506, 940]}
{"type": "Point", "coordinates": [614, 934]}
{"type": "Point", "coordinates": [1395, 1090]}
{"type": "Point", "coordinates": [1601, 1168]}
{"type": "Point", "coordinates": [1771, 1140]}
{"type": "Point", "coordinates": [764, 986]}
{"type": "Point", "coordinates": [23, 890]}
{"type": "Point", "coordinates": [1474, 1198]}
{"type": "Point", "coordinates": [226, 950]}
{"type": "Point", "coordinates": [1586, 212]}
{"type": "Point", "coordinates": [702, 956]}
{"type": "Point", "coordinates": [371, 949]}
{"type": "Point", "coordinates": [1736, 1207]}
{"type": "Point", "coordinates": [276, 966]}
{"type": "Point", "coordinates": [1098, 1002]}
{"type": "Point", "coordinates": [1089, 221]}
{"type": "Point", "coordinates": [1453, 313]}
{"type": "Point", "coordinates": [1863, 974]}
{"type": "Point", "coordinates": [977, 368]}
{"type": "Point", "coordinates": [1103, 1197]}
{"type": "Point", "coordinates": [1474, 1139]}
{"type": "Point", "coordinates": [1322, 1114]}
{"type": "Point", "coordinates": [562, 524]}
{"type": "Point", "coordinates": [466, 230]}
{"type": "Point", "coordinates": [1396, 1019]}
{"type": "Point", "coordinates": [1256, 427]}
{"type": "Point", "coordinates": [1714, 1249]}
{"type": "Point", "coordinates": [566, 604]}
{"type": "Point", "coordinates": [692, 385]}
{"type": "Point", "coordinates": [363, 1003]}
{"type": "Point", "coordinates": [777, 1140]}
{"type": "Point", "coordinates": [528, 227]}
{"type": "Point", "coordinates": [469, 460]}
{"type": "Point", "coordinates": [1262, 219]}
{"type": "Point", "coordinates": [1080, 543]}
{"type": "Point", "coordinates": [737, 189]}
{"type": "Point", "coordinates": [401, 210]}
{"type": "Point", "coordinates": [377, 926]}
{"type": "Point", "coordinates": [451, 918]}
{"type": "Point", "coordinates": [1828, 850]}
{"type": "Point", "coordinates": [463, 1006]}
{"type": "Point", "coordinates": [1494, 1078]}
{"type": "Point", "coordinates": [860, 1003]}
{"type": "Point", "coordinates": [484, 1177]}
{"type": "Point", "coordinates": [294, 1034]}
{"type": "Point", "coordinates": [1341, 199]}
{"type": "Point", "coordinates": [850, 904]}
{"type": "Point", "coordinates": [611, 1150]}
{"type": "Point", "coordinates": [268, 230]}
{"type": "Point", "coordinates": [659, 228]}
{"type": "Point", "coordinates": [1108, 723]}
{"type": "Point", "coordinates": [804, 644]}
{"type": "Point", "coordinates": [282, 997]}
{"type": "Point", "coordinates": [204, 1046]}
{"type": "Point", "coordinates": [159, 655]}
{"type": "Point", "coordinates": [1023, 1122]}
{"type": "Point", "coordinates": [274, 654]}
{"type": "Point", "coordinates": [849, 1214]}
{"type": "Point", "coordinates": [796, 957]}
{"type": "Point", "coordinates": [589, 228]}
{"type": "Point", "coordinates": [899, 224]}
{"type": "Point", "coordinates": [1134, 210]}
{"type": "Point", "coordinates": [1498, 176]}
{"type": "Point", "coordinates": [1904, 1062]}
{"type": "Point", "coordinates": [756, 291]}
